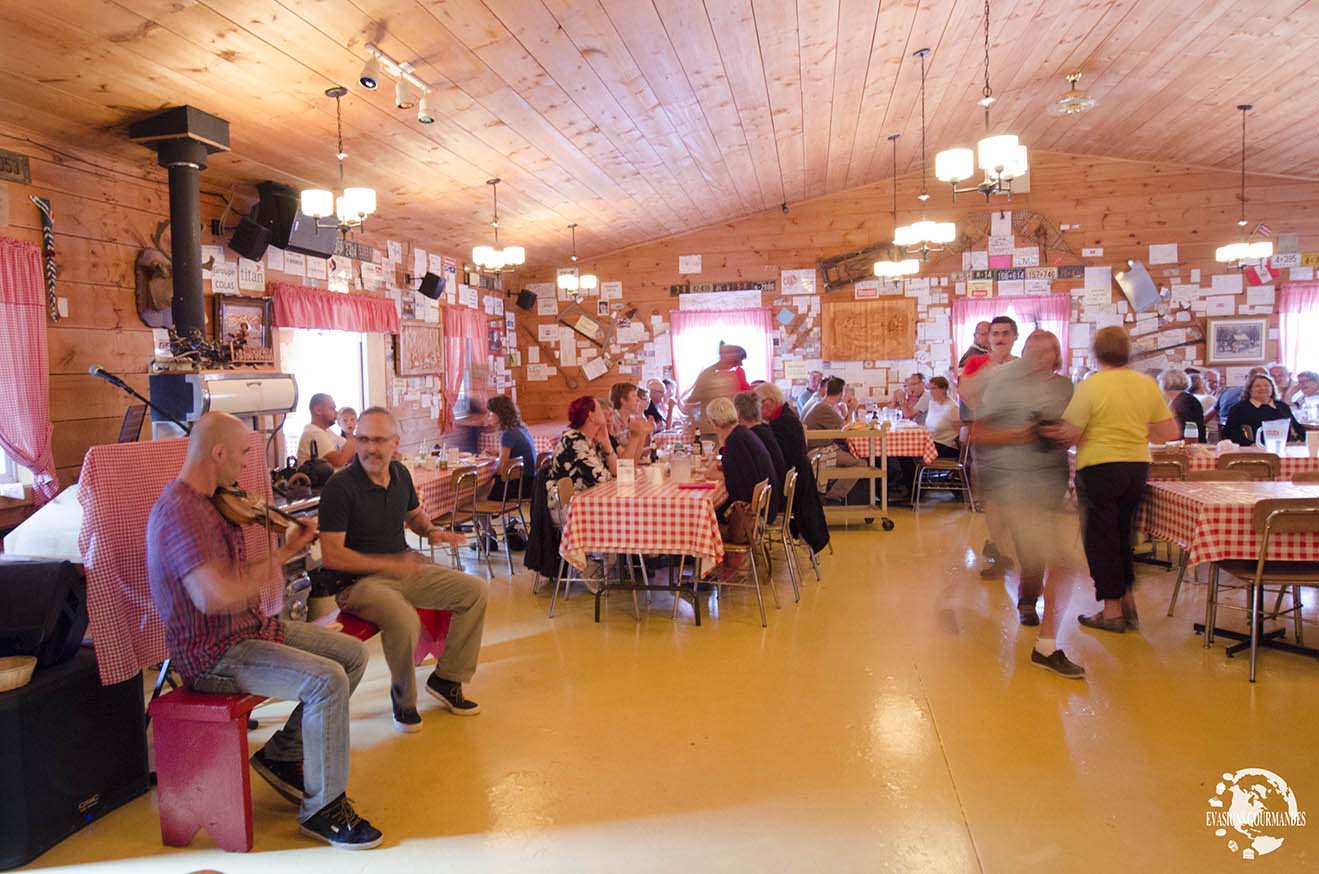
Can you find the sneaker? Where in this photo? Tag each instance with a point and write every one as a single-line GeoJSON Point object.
{"type": "Point", "coordinates": [450, 694]}
{"type": "Point", "coordinates": [339, 826]}
{"type": "Point", "coordinates": [406, 719]}
{"type": "Point", "coordinates": [1027, 614]}
{"type": "Point", "coordinates": [1097, 621]}
{"type": "Point", "coordinates": [284, 777]}
{"type": "Point", "coordinates": [1059, 663]}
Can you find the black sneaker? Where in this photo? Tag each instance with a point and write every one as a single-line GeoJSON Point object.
{"type": "Point", "coordinates": [450, 694]}
{"type": "Point", "coordinates": [1059, 663]}
{"type": "Point", "coordinates": [339, 826]}
{"type": "Point", "coordinates": [284, 777]}
{"type": "Point", "coordinates": [406, 719]}
{"type": "Point", "coordinates": [1026, 613]}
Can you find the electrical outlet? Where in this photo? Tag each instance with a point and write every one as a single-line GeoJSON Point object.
{"type": "Point", "coordinates": [62, 307]}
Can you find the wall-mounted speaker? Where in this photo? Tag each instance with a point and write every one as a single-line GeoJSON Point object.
{"type": "Point", "coordinates": [251, 239]}
{"type": "Point", "coordinates": [276, 209]}
{"type": "Point", "coordinates": [432, 285]}
{"type": "Point", "coordinates": [526, 299]}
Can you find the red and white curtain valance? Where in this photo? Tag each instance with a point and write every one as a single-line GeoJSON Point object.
{"type": "Point", "coordinates": [297, 306]}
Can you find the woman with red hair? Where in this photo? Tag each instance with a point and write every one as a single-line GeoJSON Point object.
{"type": "Point", "coordinates": [584, 453]}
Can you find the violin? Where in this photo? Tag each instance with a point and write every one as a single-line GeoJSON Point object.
{"type": "Point", "coordinates": [240, 508]}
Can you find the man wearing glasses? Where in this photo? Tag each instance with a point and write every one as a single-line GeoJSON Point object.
{"type": "Point", "coordinates": [363, 510]}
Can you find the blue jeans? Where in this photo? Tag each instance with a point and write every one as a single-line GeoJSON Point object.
{"type": "Point", "coordinates": [320, 669]}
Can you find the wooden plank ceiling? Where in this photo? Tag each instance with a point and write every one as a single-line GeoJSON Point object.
{"type": "Point", "coordinates": [641, 118]}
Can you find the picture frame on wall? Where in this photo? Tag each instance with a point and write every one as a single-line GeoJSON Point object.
{"type": "Point", "coordinates": [247, 323]}
{"type": "Point", "coordinates": [1237, 340]}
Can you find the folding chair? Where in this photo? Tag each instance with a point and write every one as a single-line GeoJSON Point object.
{"type": "Point", "coordinates": [1260, 465]}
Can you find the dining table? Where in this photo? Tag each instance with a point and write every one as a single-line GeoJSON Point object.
{"type": "Point", "coordinates": [645, 517]}
{"type": "Point", "coordinates": [434, 484]}
{"type": "Point", "coordinates": [543, 437]}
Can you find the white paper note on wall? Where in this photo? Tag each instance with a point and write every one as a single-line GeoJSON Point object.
{"type": "Point", "coordinates": [1220, 306]}
{"type": "Point", "coordinates": [594, 369]}
{"type": "Point", "coordinates": [1259, 295]}
{"type": "Point", "coordinates": [689, 264]}
{"type": "Point", "coordinates": [1099, 277]}
{"type": "Point", "coordinates": [1078, 336]}
{"type": "Point", "coordinates": [1000, 223]}
{"type": "Point", "coordinates": [224, 278]}
{"type": "Point", "coordinates": [1226, 283]}
{"type": "Point", "coordinates": [1163, 253]}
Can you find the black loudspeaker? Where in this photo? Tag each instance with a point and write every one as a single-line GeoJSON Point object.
{"type": "Point", "coordinates": [71, 751]}
{"type": "Point", "coordinates": [251, 239]}
{"type": "Point", "coordinates": [43, 610]}
{"type": "Point", "coordinates": [432, 286]}
{"type": "Point", "coordinates": [526, 299]}
{"type": "Point", "coordinates": [276, 210]}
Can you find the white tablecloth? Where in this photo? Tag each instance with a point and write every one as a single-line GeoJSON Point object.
{"type": "Point", "coordinates": [51, 532]}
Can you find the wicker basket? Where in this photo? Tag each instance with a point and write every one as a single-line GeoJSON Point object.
{"type": "Point", "coordinates": [15, 671]}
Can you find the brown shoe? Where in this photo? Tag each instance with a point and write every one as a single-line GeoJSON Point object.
{"type": "Point", "coordinates": [1097, 621]}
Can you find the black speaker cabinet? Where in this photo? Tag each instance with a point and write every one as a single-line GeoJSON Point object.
{"type": "Point", "coordinates": [432, 286]}
{"type": "Point", "coordinates": [526, 299]}
{"type": "Point", "coordinates": [251, 239]}
{"type": "Point", "coordinates": [43, 609]}
{"type": "Point", "coordinates": [71, 751]}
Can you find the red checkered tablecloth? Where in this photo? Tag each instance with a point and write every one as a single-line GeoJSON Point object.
{"type": "Point", "coordinates": [1296, 459]}
{"type": "Point", "coordinates": [668, 439]}
{"type": "Point", "coordinates": [435, 485]}
{"type": "Point", "coordinates": [643, 518]}
{"type": "Point", "coordinates": [118, 486]}
{"type": "Point", "coordinates": [913, 442]}
{"type": "Point", "coordinates": [1212, 520]}
{"type": "Point", "coordinates": [543, 437]}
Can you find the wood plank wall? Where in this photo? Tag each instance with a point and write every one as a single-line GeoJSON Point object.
{"type": "Point", "coordinates": [1121, 206]}
{"type": "Point", "coordinates": [105, 213]}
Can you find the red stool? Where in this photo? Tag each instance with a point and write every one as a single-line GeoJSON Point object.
{"type": "Point", "coordinates": [434, 630]}
{"type": "Point", "coordinates": [201, 767]}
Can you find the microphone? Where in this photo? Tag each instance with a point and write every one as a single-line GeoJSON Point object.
{"type": "Point", "coordinates": [97, 371]}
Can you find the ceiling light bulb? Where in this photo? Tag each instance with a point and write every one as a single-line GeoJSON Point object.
{"type": "Point", "coordinates": [515, 255]}
{"type": "Point", "coordinates": [370, 77]}
{"type": "Point", "coordinates": [403, 95]}
{"type": "Point", "coordinates": [954, 165]}
{"type": "Point", "coordinates": [316, 203]}
{"type": "Point", "coordinates": [424, 109]}
{"type": "Point", "coordinates": [361, 201]}
{"type": "Point", "coordinates": [996, 152]}
{"type": "Point", "coordinates": [568, 281]}
{"type": "Point", "coordinates": [481, 255]}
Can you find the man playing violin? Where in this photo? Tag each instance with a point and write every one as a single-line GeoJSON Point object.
{"type": "Point", "coordinates": [363, 510]}
{"type": "Point", "coordinates": [220, 640]}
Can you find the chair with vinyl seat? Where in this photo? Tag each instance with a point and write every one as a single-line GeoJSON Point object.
{"type": "Point", "coordinates": [465, 485]}
{"type": "Point", "coordinates": [1168, 468]}
{"type": "Point", "coordinates": [956, 472]}
{"type": "Point", "coordinates": [1260, 465]}
{"type": "Point", "coordinates": [1270, 518]}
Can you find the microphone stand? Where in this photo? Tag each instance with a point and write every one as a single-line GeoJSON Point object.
{"type": "Point", "coordinates": [125, 387]}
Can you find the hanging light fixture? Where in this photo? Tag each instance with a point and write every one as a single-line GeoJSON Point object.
{"type": "Point", "coordinates": [888, 268]}
{"type": "Point", "coordinates": [1000, 156]}
{"type": "Point", "coordinates": [925, 235]}
{"type": "Point", "coordinates": [493, 258]}
{"type": "Point", "coordinates": [351, 208]}
{"type": "Point", "coordinates": [570, 278]}
{"type": "Point", "coordinates": [1241, 253]}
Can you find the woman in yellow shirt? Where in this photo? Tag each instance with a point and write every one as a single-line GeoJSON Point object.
{"type": "Point", "coordinates": [1112, 418]}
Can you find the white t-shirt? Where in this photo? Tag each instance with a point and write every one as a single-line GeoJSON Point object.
{"type": "Point", "coordinates": [943, 421]}
{"type": "Point", "coordinates": [326, 441]}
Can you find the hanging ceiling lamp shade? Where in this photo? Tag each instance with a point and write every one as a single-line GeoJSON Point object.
{"type": "Point", "coordinates": [1240, 253]}
{"type": "Point", "coordinates": [890, 268]}
{"type": "Point", "coordinates": [349, 209]}
{"type": "Point", "coordinates": [570, 278]}
{"type": "Point", "coordinates": [925, 235]}
{"type": "Point", "coordinates": [493, 259]}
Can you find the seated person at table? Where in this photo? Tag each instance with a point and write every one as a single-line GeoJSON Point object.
{"type": "Point", "coordinates": [807, 514]}
{"type": "Point", "coordinates": [628, 427]}
{"type": "Point", "coordinates": [817, 398]}
{"type": "Point", "coordinates": [659, 408]}
{"type": "Point", "coordinates": [745, 461]}
{"type": "Point", "coordinates": [1232, 396]}
{"type": "Point", "coordinates": [812, 388]}
{"type": "Point", "coordinates": [347, 420]}
{"type": "Point", "coordinates": [825, 416]}
{"type": "Point", "coordinates": [943, 418]}
{"type": "Point", "coordinates": [1259, 404]}
{"type": "Point", "coordinates": [1186, 408]}
{"type": "Point", "coordinates": [584, 453]}
{"type": "Point", "coordinates": [514, 443]}
{"type": "Point", "coordinates": [912, 399]}
{"type": "Point", "coordinates": [221, 641]}
{"type": "Point", "coordinates": [332, 447]}
{"type": "Point", "coordinates": [1307, 386]}
{"type": "Point", "coordinates": [363, 510]}
{"type": "Point", "coordinates": [747, 404]}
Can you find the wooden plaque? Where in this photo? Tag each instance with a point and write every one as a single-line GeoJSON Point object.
{"type": "Point", "coordinates": [419, 349]}
{"type": "Point", "coordinates": [869, 330]}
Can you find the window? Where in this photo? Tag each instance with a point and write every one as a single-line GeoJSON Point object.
{"type": "Point", "coordinates": [698, 333]}
{"type": "Point", "coordinates": [322, 361]}
{"type": "Point", "coordinates": [1051, 313]}
{"type": "Point", "coordinates": [8, 469]}
{"type": "Point", "coordinates": [1298, 321]}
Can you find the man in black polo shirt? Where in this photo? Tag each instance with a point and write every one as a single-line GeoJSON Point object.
{"type": "Point", "coordinates": [362, 513]}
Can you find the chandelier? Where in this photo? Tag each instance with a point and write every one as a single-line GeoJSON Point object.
{"type": "Point", "coordinates": [924, 235]}
{"type": "Point", "coordinates": [1239, 254]}
{"type": "Point", "coordinates": [570, 279]}
{"type": "Point", "coordinates": [493, 258]}
{"type": "Point", "coordinates": [890, 269]}
{"type": "Point", "coordinates": [349, 209]}
{"type": "Point", "coordinates": [1000, 156]}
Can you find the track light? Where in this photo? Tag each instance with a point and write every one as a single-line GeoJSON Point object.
{"type": "Point", "coordinates": [424, 109]}
{"type": "Point", "coordinates": [403, 95]}
{"type": "Point", "coordinates": [370, 77]}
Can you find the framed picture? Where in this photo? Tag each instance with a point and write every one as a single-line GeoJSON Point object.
{"type": "Point", "coordinates": [419, 350]}
{"type": "Point", "coordinates": [1236, 340]}
{"type": "Point", "coordinates": [245, 322]}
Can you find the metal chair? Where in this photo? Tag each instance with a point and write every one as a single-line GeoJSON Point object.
{"type": "Point", "coordinates": [465, 484]}
{"type": "Point", "coordinates": [1168, 468]}
{"type": "Point", "coordinates": [959, 479]}
{"type": "Point", "coordinates": [1260, 465]}
{"type": "Point", "coordinates": [1270, 517]}
{"type": "Point", "coordinates": [760, 498]}
{"type": "Point", "coordinates": [817, 460]}
{"type": "Point", "coordinates": [1214, 475]}
{"type": "Point", "coordinates": [486, 511]}
{"type": "Point", "coordinates": [782, 534]}
{"type": "Point", "coordinates": [561, 495]}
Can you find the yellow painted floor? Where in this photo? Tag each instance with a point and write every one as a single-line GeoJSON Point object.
{"type": "Point", "coordinates": [891, 721]}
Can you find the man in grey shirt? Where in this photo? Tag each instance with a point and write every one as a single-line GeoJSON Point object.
{"type": "Point", "coordinates": [824, 416]}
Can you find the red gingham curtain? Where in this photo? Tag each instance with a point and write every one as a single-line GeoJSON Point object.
{"type": "Point", "coordinates": [464, 328]}
{"type": "Point", "coordinates": [25, 430]}
{"type": "Point", "coordinates": [1298, 305]}
{"type": "Point", "coordinates": [1050, 312]}
{"type": "Point", "coordinates": [297, 306]}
